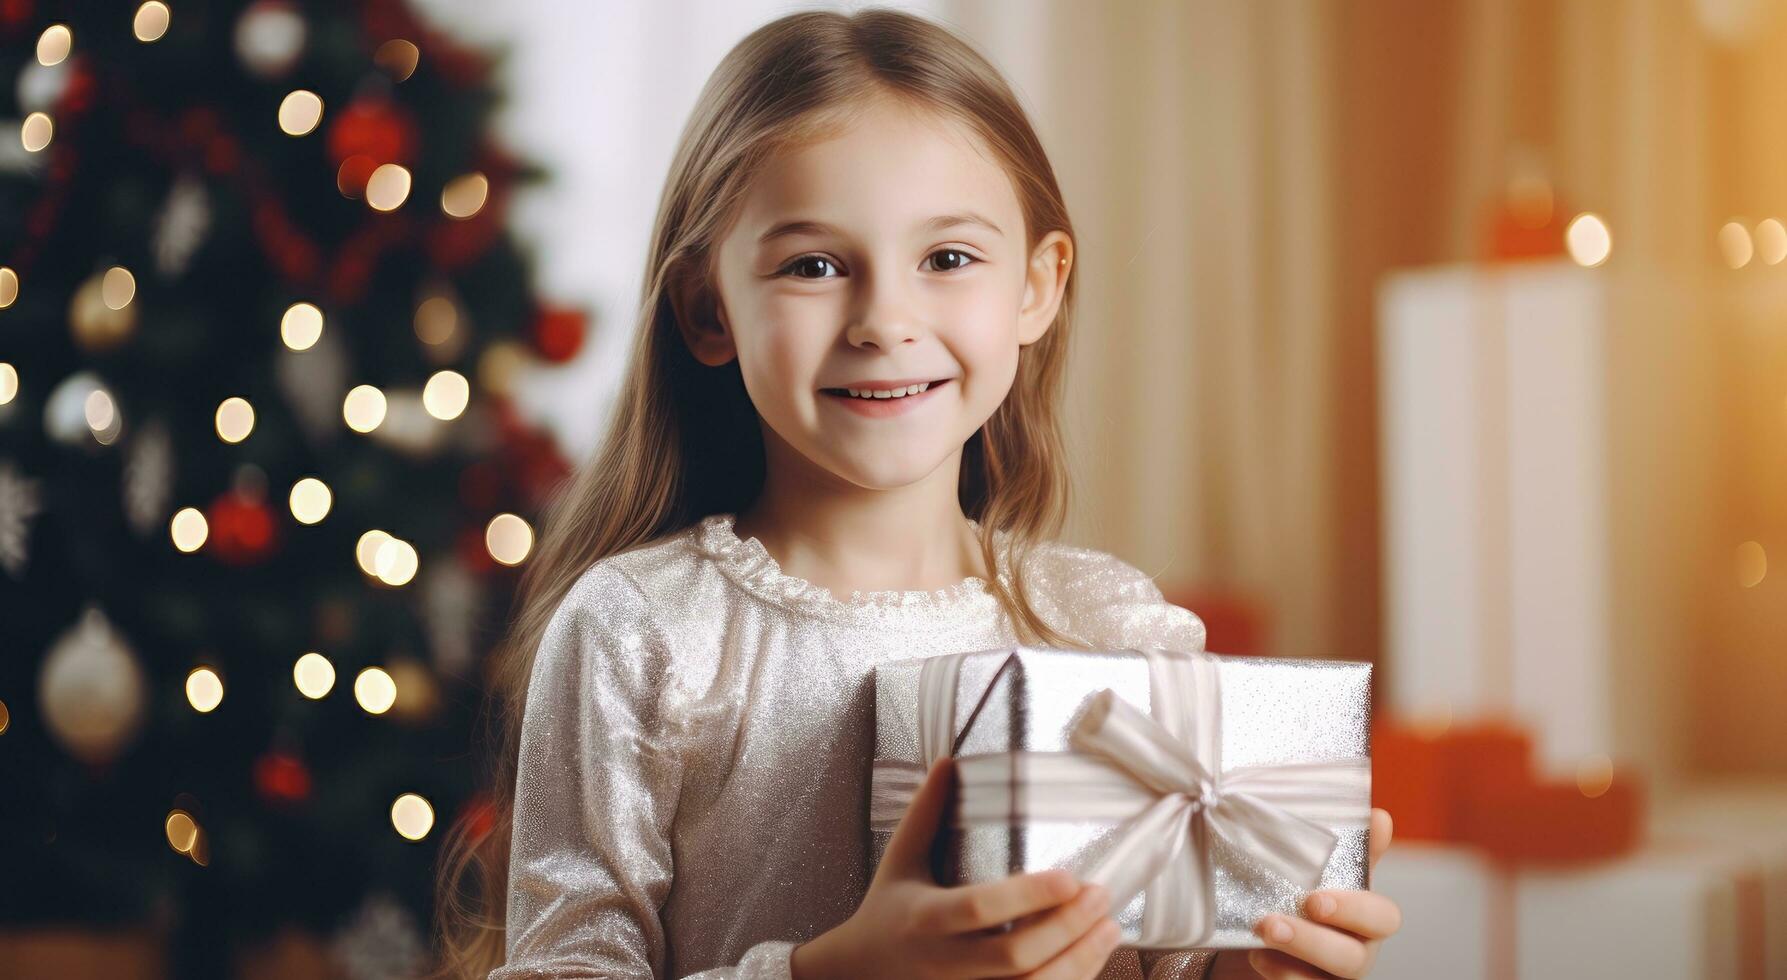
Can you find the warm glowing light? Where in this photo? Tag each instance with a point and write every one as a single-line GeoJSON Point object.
{"type": "Point", "coordinates": [398, 57]}
{"type": "Point", "coordinates": [54, 44]}
{"type": "Point", "coordinates": [204, 689]}
{"type": "Point", "coordinates": [435, 320]}
{"type": "Point", "coordinates": [395, 562]}
{"type": "Point", "coordinates": [9, 287]}
{"type": "Point", "coordinates": [1434, 722]}
{"type": "Point", "coordinates": [388, 187]}
{"type": "Point", "coordinates": [445, 395]}
{"type": "Point", "coordinates": [364, 408]}
{"type": "Point", "coordinates": [1771, 241]}
{"type": "Point", "coordinates": [412, 816]}
{"type": "Point", "coordinates": [151, 21]}
{"type": "Point", "coordinates": [36, 131]}
{"type": "Point", "coordinates": [300, 111]}
{"type": "Point", "coordinates": [375, 690]}
{"type": "Point", "coordinates": [189, 529]}
{"type": "Point", "coordinates": [235, 419]}
{"type": "Point", "coordinates": [314, 675]}
{"type": "Point", "coordinates": [182, 830]}
{"type": "Point", "coordinates": [1588, 239]}
{"type": "Point", "coordinates": [301, 326]}
{"type": "Point", "coordinates": [101, 410]}
{"type": "Point", "coordinates": [5, 717]}
{"type": "Point", "coordinates": [310, 500]}
{"type": "Point", "coordinates": [1594, 775]}
{"type": "Point", "coordinates": [1735, 244]}
{"type": "Point", "coordinates": [118, 288]}
{"type": "Point", "coordinates": [464, 195]}
{"type": "Point", "coordinates": [1752, 564]}
{"type": "Point", "coordinates": [9, 382]}
{"type": "Point", "coordinates": [366, 551]}
{"type": "Point", "coordinates": [509, 539]}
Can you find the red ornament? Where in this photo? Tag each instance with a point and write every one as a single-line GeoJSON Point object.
{"type": "Point", "coordinates": [558, 333]}
{"type": "Point", "coordinates": [242, 530]}
{"type": "Point", "coordinates": [281, 778]}
{"type": "Point", "coordinates": [373, 127]}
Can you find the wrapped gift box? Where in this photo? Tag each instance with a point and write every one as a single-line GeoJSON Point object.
{"type": "Point", "coordinates": [1204, 791]}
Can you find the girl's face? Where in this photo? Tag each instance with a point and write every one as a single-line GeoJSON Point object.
{"type": "Point", "coordinates": [888, 256]}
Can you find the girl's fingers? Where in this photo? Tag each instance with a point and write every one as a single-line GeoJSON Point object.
{"type": "Point", "coordinates": [1381, 829]}
{"type": "Point", "coordinates": [1369, 914]}
{"type": "Point", "coordinates": [1086, 957]}
{"type": "Point", "coordinates": [1324, 948]}
{"type": "Point", "coordinates": [1037, 939]}
{"type": "Point", "coordinates": [967, 908]}
{"type": "Point", "coordinates": [1273, 965]}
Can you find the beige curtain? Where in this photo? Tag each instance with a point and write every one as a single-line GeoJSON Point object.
{"type": "Point", "coordinates": [1245, 173]}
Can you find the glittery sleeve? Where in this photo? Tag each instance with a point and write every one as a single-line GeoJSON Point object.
{"type": "Point", "coordinates": [596, 790]}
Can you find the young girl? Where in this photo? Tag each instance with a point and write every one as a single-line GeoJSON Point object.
{"type": "Point", "coordinates": [837, 444]}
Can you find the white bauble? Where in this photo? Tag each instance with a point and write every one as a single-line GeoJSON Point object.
{"type": "Point", "coordinates": [91, 690]}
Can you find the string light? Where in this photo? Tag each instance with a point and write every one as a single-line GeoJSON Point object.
{"type": "Point", "coordinates": [151, 21]}
{"type": "Point", "coordinates": [375, 690]}
{"type": "Point", "coordinates": [464, 196]}
{"type": "Point", "coordinates": [300, 112]}
{"type": "Point", "coordinates": [204, 689]}
{"type": "Point", "coordinates": [301, 326]}
{"type": "Point", "coordinates": [364, 408]}
{"type": "Point", "coordinates": [398, 57]}
{"type": "Point", "coordinates": [54, 44]}
{"type": "Point", "coordinates": [388, 187]}
{"type": "Point", "coordinates": [5, 717]}
{"type": "Point", "coordinates": [509, 539]}
{"type": "Point", "coordinates": [436, 318]}
{"type": "Point", "coordinates": [102, 415]}
{"type": "Point", "coordinates": [412, 816]}
{"type": "Point", "coordinates": [117, 288]}
{"type": "Point", "coordinates": [314, 675]}
{"type": "Point", "coordinates": [446, 394]}
{"type": "Point", "coordinates": [9, 287]}
{"type": "Point", "coordinates": [1735, 244]}
{"type": "Point", "coordinates": [1771, 241]}
{"type": "Point", "coordinates": [182, 831]}
{"type": "Point", "coordinates": [395, 562]}
{"type": "Point", "coordinates": [310, 500]}
{"type": "Point", "coordinates": [9, 383]}
{"type": "Point", "coordinates": [1752, 564]}
{"type": "Point", "coordinates": [235, 419]}
{"type": "Point", "coordinates": [189, 529]}
{"type": "Point", "coordinates": [1588, 239]}
{"type": "Point", "coordinates": [36, 131]}
{"type": "Point", "coordinates": [366, 550]}
{"type": "Point", "coordinates": [1594, 775]}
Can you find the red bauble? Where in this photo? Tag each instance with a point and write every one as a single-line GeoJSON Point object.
{"type": "Point", "coordinates": [281, 778]}
{"type": "Point", "coordinates": [558, 333]}
{"type": "Point", "coordinates": [373, 127]}
{"type": "Point", "coordinates": [242, 530]}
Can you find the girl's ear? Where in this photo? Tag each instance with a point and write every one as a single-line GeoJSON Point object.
{"type": "Point", "coordinates": [701, 320]}
{"type": "Point", "coordinates": [1045, 282]}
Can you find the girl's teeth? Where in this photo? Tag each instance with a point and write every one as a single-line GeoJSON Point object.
{"type": "Point", "coordinates": [893, 393]}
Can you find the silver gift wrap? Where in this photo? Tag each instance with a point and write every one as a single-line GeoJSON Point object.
{"type": "Point", "coordinates": [1298, 731]}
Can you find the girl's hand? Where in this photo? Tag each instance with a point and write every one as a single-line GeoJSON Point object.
{"type": "Point", "coordinates": [908, 927]}
{"type": "Point", "coordinates": [1358, 922]}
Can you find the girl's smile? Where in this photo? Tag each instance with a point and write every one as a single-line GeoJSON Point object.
{"type": "Point", "coordinates": [882, 404]}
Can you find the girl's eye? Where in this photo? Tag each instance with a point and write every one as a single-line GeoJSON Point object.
{"type": "Point", "coordinates": [810, 261]}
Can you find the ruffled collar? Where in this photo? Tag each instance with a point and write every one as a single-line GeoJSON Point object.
{"type": "Point", "coordinates": [749, 564]}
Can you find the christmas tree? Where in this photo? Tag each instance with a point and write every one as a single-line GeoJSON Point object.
{"type": "Point", "coordinates": [262, 493]}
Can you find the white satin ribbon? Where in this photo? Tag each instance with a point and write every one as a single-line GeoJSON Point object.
{"type": "Point", "coordinates": [1160, 775]}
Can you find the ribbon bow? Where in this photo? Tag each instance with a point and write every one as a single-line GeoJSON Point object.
{"type": "Point", "coordinates": [1160, 775]}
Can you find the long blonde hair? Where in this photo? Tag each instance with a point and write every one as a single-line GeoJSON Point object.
{"type": "Point", "coordinates": [684, 440]}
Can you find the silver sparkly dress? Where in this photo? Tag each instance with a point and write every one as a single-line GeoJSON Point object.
{"type": "Point", "coordinates": [691, 791]}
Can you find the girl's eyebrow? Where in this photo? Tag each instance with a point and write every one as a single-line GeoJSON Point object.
{"type": "Point", "coordinates": [804, 226]}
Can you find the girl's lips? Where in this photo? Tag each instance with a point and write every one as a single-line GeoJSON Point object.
{"type": "Point", "coordinates": [884, 407]}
